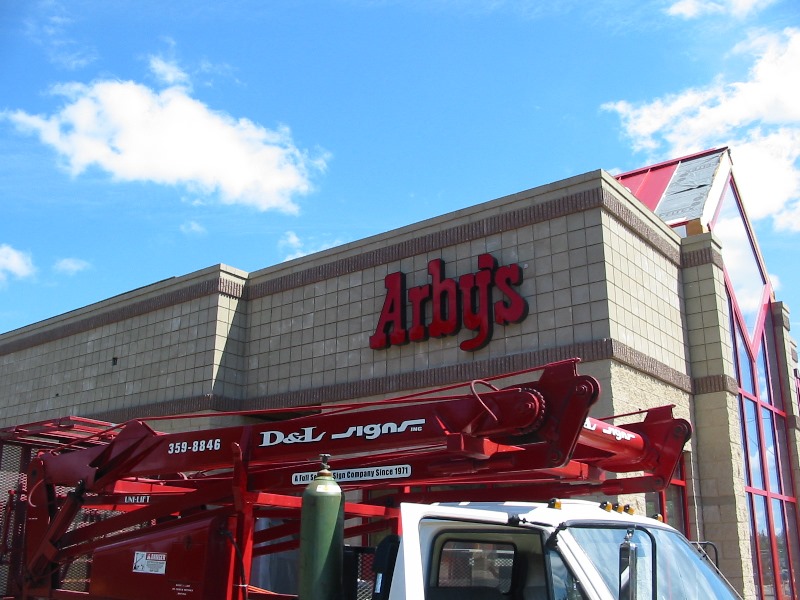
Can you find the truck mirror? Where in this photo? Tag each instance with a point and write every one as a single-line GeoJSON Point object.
{"type": "Point", "coordinates": [627, 568]}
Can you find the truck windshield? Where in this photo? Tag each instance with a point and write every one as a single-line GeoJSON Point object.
{"type": "Point", "coordinates": [682, 572]}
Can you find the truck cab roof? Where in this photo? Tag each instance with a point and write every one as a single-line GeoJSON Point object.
{"type": "Point", "coordinates": [556, 512]}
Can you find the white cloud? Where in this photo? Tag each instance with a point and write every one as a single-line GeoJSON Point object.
{"type": "Point", "coordinates": [295, 247]}
{"type": "Point", "coordinates": [759, 118]}
{"type": "Point", "coordinates": [51, 32]}
{"type": "Point", "coordinates": [71, 266]}
{"type": "Point", "coordinates": [168, 72]}
{"type": "Point", "coordinates": [14, 262]}
{"type": "Point", "coordinates": [690, 9]}
{"type": "Point", "coordinates": [139, 134]}
{"type": "Point", "coordinates": [192, 228]}
{"type": "Point", "coordinates": [289, 240]}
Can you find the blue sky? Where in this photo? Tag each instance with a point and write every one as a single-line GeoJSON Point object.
{"type": "Point", "coordinates": [142, 140]}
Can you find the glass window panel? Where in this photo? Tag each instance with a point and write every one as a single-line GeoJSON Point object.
{"type": "Point", "coordinates": [471, 563]}
{"type": "Point", "coordinates": [670, 505]}
{"type": "Point", "coordinates": [741, 262]}
{"type": "Point", "coordinates": [676, 516]}
{"type": "Point", "coordinates": [745, 369]}
{"type": "Point", "coordinates": [652, 502]}
{"type": "Point", "coordinates": [753, 546]}
{"type": "Point", "coordinates": [764, 387]}
{"type": "Point", "coordinates": [794, 543]}
{"type": "Point", "coordinates": [680, 470]}
{"type": "Point", "coordinates": [753, 447]}
{"type": "Point", "coordinates": [769, 450]}
{"type": "Point", "coordinates": [764, 546]}
{"type": "Point", "coordinates": [782, 544]}
{"type": "Point", "coordinates": [745, 457]}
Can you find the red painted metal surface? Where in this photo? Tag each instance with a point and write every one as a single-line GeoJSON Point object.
{"type": "Point", "coordinates": [124, 512]}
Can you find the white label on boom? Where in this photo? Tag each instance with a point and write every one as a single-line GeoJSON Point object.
{"type": "Point", "coordinates": [355, 474]}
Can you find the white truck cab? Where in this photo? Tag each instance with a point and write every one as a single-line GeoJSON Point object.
{"type": "Point", "coordinates": [570, 550]}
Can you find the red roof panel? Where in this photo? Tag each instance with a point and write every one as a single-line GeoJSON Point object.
{"type": "Point", "coordinates": [648, 185]}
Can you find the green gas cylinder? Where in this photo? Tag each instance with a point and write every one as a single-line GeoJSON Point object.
{"type": "Point", "coordinates": [321, 538]}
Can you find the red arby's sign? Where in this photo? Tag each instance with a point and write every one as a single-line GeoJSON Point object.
{"type": "Point", "coordinates": [469, 301]}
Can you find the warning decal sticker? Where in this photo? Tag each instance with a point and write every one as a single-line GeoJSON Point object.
{"type": "Point", "coordinates": [150, 562]}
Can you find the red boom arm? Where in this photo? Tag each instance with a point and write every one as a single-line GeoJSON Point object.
{"type": "Point", "coordinates": [537, 435]}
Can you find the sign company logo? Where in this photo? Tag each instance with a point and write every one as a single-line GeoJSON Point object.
{"type": "Point", "coordinates": [467, 301]}
{"type": "Point", "coordinates": [306, 435]}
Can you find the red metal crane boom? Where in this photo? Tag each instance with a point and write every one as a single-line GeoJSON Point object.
{"type": "Point", "coordinates": [133, 487]}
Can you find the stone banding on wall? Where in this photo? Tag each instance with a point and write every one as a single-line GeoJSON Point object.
{"type": "Point", "coordinates": [714, 383]}
{"type": "Point", "coordinates": [421, 379]}
{"type": "Point", "coordinates": [704, 256]}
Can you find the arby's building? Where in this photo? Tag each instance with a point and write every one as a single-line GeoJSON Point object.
{"type": "Point", "coordinates": [652, 278]}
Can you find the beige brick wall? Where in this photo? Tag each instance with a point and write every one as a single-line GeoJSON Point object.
{"type": "Point", "coordinates": [644, 297]}
{"type": "Point", "coordinates": [150, 352]}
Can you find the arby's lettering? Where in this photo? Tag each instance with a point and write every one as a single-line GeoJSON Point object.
{"type": "Point", "coordinates": [468, 301]}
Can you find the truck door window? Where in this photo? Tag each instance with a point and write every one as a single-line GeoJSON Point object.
{"type": "Point", "coordinates": [563, 584]}
{"type": "Point", "coordinates": [465, 563]}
